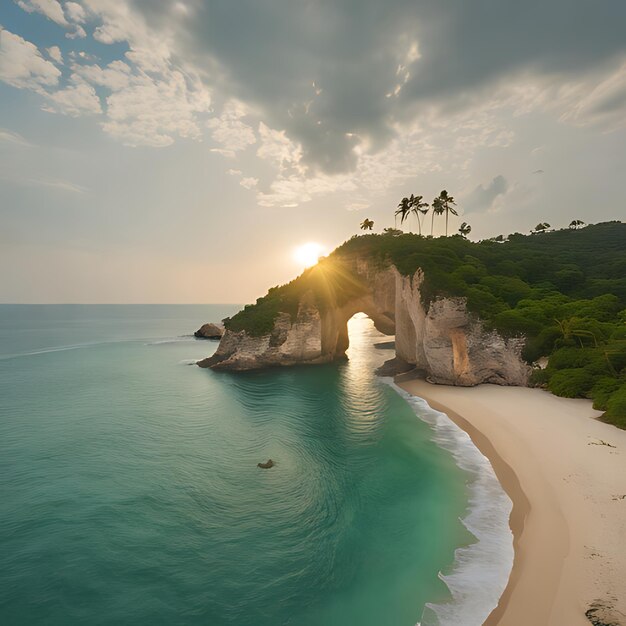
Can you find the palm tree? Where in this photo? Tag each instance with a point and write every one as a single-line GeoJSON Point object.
{"type": "Point", "coordinates": [447, 203]}
{"type": "Point", "coordinates": [367, 224]}
{"type": "Point", "coordinates": [437, 207]}
{"type": "Point", "coordinates": [403, 210]}
{"type": "Point", "coordinates": [568, 328]}
{"type": "Point", "coordinates": [417, 207]}
{"type": "Point", "coordinates": [465, 229]}
{"type": "Point", "coordinates": [574, 224]}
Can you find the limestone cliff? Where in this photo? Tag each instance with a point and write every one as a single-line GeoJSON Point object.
{"type": "Point", "coordinates": [450, 344]}
{"type": "Point", "coordinates": [444, 340]}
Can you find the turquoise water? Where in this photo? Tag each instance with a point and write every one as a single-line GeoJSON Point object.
{"type": "Point", "coordinates": [130, 492]}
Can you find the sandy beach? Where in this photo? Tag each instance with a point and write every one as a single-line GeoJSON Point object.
{"type": "Point", "coordinates": [566, 475]}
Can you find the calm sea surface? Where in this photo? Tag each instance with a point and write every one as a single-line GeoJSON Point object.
{"type": "Point", "coordinates": [130, 493]}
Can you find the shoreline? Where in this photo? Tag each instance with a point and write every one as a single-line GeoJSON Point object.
{"type": "Point", "coordinates": [568, 518]}
{"type": "Point", "coordinates": [481, 568]}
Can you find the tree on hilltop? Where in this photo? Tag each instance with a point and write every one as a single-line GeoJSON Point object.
{"type": "Point", "coordinates": [540, 228]}
{"type": "Point", "coordinates": [418, 208]}
{"type": "Point", "coordinates": [447, 203]}
{"type": "Point", "coordinates": [437, 209]}
{"type": "Point", "coordinates": [465, 229]}
{"type": "Point", "coordinates": [403, 210]}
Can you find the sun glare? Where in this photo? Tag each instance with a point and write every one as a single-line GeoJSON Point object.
{"type": "Point", "coordinates": [308, 254]}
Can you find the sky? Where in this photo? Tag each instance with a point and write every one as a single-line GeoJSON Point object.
{"type": "Point", "coordinates": [178, 151]}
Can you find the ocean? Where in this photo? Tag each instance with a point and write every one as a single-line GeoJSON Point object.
{"type": "Point", "coordinates": [130, 492]}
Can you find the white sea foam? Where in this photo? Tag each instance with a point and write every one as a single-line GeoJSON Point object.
{"type": "Point", "coordinates": [481, 570]}
{"type": "Point", "coordinates": [180, 339]}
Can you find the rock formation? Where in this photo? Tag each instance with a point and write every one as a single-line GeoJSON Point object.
{"type": "Point", "coordinates": [444, 340]}
{"type": "Point", "coordinates": [209, 331]}
{"type": "Point", "coordinates": [450, 344]}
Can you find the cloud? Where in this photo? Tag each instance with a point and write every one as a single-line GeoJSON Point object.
{"type": "Point", "coordinates": [357, 206]}
{"type": "Point", "coordinates": [295, 189]}
{"type": "Point", "coordinates": [54, 52]}
{"type": "Point", "coordinates": [151, 112]}
{"type": "Point", "coordinates": [50, 8]}
{"type": "Point", "coordinates": [116, 76]}
{"type": "Point", "coordinates": [78, 98]}
{"type": "Point", "coordinates": [22, 66]}
{"type": "Point", "coordinates": [278, 149]}
{"type": "Point", "coordinates": [150, 49]}
{"type": "Point", "coordinates": [62, 185]}
{"type": "Point", "coordinates": [51, 183]}
{"type": "Point", "coordinates": [415, 152]}
{"type": "Point", "coordinates": [425, 54]}
{"type": "Point", "coordinates": [229, 131]}
{"type": "Point", "coordinates": [249, 182]}
{"type": "Point", "coordinates": [9, 136]}
{"type": "Point", "coordinates": [602, 105]}
{"type": "Point", "coordinates": [75, 12]}
{"type": "Point", "coordinates": [77, 33]}
{"type": "Point", "coordinates": [337, 100]}
{"type": "Point", "coordinates": [483, 198]}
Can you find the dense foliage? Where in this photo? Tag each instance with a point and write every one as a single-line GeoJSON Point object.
{"type": "Point", "coordinates": [565, 291]}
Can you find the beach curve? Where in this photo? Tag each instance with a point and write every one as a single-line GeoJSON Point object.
{"type": "Point", "coordinates": [566, 474]}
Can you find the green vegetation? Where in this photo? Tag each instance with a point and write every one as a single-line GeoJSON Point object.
{"type": "Point", "coordinates": [331, 283]}
{"type": "Point", "coordinates": [564, 290]}
{"type": "Point", "coordinates": [465, 229]}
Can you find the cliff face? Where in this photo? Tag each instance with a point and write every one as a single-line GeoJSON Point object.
{"type": "Point", "coordinates": [289, 343]}
{"type": "Point", "coordinates": [448, 343]}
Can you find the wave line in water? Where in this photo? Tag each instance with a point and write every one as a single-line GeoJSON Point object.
{"type": "Point", "coordinates": [77, 346]}
{"type": "Point", "coordinates": [481, 570]}
{"type": "Point", "coordinates": [93, 344]}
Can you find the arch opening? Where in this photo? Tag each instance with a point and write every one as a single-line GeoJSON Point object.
{"type": "Point", "coordinates": [363, 336]}
{"type": "Point", "coordinates": [335, 333]}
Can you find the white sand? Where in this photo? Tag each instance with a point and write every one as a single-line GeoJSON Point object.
{"type": "Point", "coordinates": [569, 495]}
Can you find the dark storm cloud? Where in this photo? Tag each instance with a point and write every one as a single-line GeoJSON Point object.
{"type": "Point", "coordinates": [474, 42]}
{"type": "Point", "coordinates": [482, 198]}
{"type": "Point", "coordinates": [270, 53]}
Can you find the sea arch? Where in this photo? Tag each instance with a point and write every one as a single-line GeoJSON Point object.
{"type": "Point", "coordinates": [334, 328]}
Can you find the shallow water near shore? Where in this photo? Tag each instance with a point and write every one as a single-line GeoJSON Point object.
{"type": "Point", "coordinates": [131, 492]}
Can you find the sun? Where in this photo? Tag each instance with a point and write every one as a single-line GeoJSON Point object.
{"type": "Point", "coordinates": [308, 254]}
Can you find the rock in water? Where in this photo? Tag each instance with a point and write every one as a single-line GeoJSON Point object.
{"type": "Point", "coordinates": [394, 366]}
{"type": "Point", "coordinates": [209, 331]}
{"type": "Point", "coordinates": [269, 463]}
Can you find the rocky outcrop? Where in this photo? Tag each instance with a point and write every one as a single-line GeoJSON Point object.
{"type": "Point", "coordinates": [290, 342]}
{"type": "Point", "coordinates": [450, 344]}
{"type": "Point", "coordinates": [209, 331]}
{"type": "Point", "coordinates": [445, 341]}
